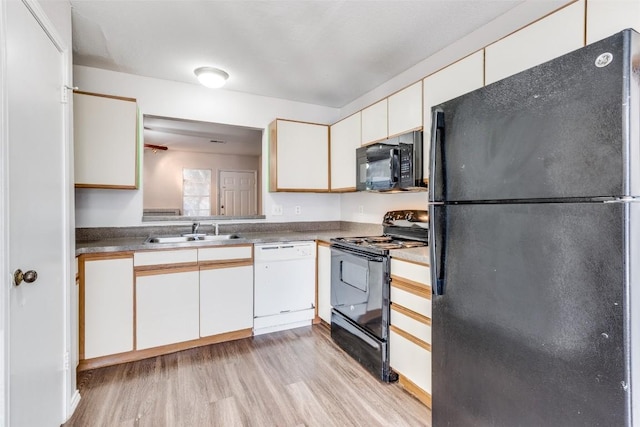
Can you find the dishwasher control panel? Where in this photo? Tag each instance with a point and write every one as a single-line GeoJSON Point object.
{"type": "Point", "coordinates": [282, 251]}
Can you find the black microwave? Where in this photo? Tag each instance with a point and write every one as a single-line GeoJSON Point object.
{"type": "Point", "coordinates": [391, 165]}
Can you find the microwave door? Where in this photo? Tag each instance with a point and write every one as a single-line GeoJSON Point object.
{"type": "Point", "coordinates": [383, 169]}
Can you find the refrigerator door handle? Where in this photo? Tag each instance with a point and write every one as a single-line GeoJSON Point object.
{"type": "Point", "coordinates": [437, 242]}
{"type": "Point", "coordinates": [436, 177]}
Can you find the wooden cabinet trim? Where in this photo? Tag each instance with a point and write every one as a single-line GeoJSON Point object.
{"type": "Point", "coordinates": [131, 356]}
{"type": "Point", "coordinates": [102, 95]}
{"type": "Point", "coordinates": [424, 264]}
{"type": "Point", "coordinates": [273, 156]}
{"type": "Point", "coordinates": [300, 190]}
{"type": "Point", "coordinates": [406, 131]}
{"type": "Point", "coordinates": [104, 256]}
{"type": "Point", "coordinates": [214, 265]}
{"type": "Point", "coordinates": [412, 314]}
{"type": "Point", "coordinates": [107, 187]}
{"type": "Point", "coordinates": [413, 389]}
{"type": "Point", "coordinates": [410, 286]}
{"type": "Point", "coordinates": [534, 22]}
{"type": "Point", "coordinates": [322, 243]}
{"type": "Point", "coordinates": [410, 337]}
{"type": "Point", "coordinates": [344, 190]}
{"type": "Point", "coordinates": [152, 270]}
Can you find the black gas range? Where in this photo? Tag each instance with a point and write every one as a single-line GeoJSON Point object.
{"type": "Point", "coordinates": [360, 280]}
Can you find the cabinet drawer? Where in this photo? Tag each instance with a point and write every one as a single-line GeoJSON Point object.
{"type": "Point", "coordinates": [180, 256]}
{"type": "Point", "coordinates": [225, 253]}
{"type": "Point", "coordinates": [410, 360]}
{"type": "Point", "coordinates": [418, 273]}
{"type": "Point", "coordinates": [419, 328]}
{"type": "Point", "coordinates": [413, 302]}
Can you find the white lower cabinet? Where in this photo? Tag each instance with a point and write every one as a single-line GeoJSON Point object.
{"type": "Point", "coordinates": [410, 331]}
{"type": "Point", "coordinates": [226, 299]}
{"type": "Point", "coordinates": [324, 282]}
{"type": "Point", "coordinates": [167, 306]}
{"type": "Point", "coordinates": [106, 323]}
{"type": "Point", "coordinates": [410, 360]}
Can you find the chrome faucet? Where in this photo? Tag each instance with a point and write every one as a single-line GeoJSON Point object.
{"type": "Point", "coordinates": [215, 226]}
{"type": "Point", "coordinates": [194, 227]}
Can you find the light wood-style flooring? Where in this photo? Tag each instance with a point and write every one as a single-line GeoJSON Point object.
{"type": "Point", "coordinates": [290, 378]}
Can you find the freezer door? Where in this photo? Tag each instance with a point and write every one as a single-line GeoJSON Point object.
{"type": "Point", "coordinates": [531, 329]}
{"type": "Point", "coordinates": [564, 129]}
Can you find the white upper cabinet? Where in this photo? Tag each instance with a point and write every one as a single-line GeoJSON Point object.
{"type": "Point", "coordinates": [457, 79]}
{"type": "Point", "coordinates": [298, 156]}
{"type": "Point", "coordinates": [374, 122]}
{"type": "Point", "coordinates": [345, 139]}
{"type": "Point", "coordinates": [405, 110]}
{"type": "Point", "coordinates": [105, 137]}
{"type": "Point", "coordinates": [557, 34]}
{"type": "Point", "coordinates": [607, 17]}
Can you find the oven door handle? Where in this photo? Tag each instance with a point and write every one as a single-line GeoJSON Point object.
{"type": "Point", "coordinates": [368, 257]}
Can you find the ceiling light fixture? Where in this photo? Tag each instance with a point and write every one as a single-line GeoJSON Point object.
{"type": "Point", "coordinates": [211, 77]}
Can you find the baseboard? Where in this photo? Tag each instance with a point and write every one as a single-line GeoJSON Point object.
{"type": "Point", "coordinates": [73, 404]}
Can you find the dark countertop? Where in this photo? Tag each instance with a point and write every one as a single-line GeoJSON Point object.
{"type": "Point", "coordinates": [124, 244]}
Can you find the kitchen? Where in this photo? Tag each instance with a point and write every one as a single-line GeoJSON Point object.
{"type": "Point", "coordinates": [112, 208]}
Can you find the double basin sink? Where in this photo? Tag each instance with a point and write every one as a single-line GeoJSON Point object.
{"type": "Point", "coordinates": [192, 238]}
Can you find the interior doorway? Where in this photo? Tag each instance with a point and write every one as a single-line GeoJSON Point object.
{"type": "Point", "coordinates": [237, 191]}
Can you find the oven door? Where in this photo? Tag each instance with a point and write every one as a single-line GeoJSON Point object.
{"type": "Point", "coordinates": [359, 289]}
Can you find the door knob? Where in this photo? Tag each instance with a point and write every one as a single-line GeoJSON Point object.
{"type": "Point", "coordinates": [28, 276]}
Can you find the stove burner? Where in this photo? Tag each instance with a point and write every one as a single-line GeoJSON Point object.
{"type": "Point", "coordinates": [390, 245]}
{"type": "Point", "coordinates": [412, 244]}
{"type": "Point", "coordinates": [378, 239]}
{"type": "Point", "coordinates": [352, 239]}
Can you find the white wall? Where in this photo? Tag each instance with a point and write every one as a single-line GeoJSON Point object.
{"type": "Point", "coordinates": [163, 175]}
{"type": "Point", "coordinates": [121, 208]}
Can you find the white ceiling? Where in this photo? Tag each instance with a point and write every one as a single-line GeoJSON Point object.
{"type": "Point", "coordinates": [324, 52]}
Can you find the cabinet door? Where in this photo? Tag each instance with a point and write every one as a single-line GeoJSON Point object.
{"type": "Point", "coordinates": [345, 139]}
{"type": "Point", "coordinates": [548, 38]}
{"type": "Point", "coordinates": [457, 79]}
{"type": "Point", "coordinates": [298, 156]}
{"type": "Point", "coordinates": [607, 17]}
{"type": "Point", "coordinates": [324, 282]}
{"type": "Point", "coordinates": [166, 307]}
{"type": "Point", "coordinates": [105, 141]}
{"type": "Point", "coordinates": [412, 361]}
{"type": "Point", "coordinates": [108, 306]}
{"type": "Point", "coordinates": [374, 122]}
{"type": "Point", "coordinates": [405, 110]}
{"type": "Point", "coordinates": [226, 300]}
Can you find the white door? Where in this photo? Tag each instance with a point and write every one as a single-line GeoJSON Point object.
{"type": "Point", "coordinates": [238, 195]}
{"type": "Point", "coordinates": [37, 234]}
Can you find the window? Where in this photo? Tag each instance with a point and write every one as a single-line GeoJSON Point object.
{"type": "Point", "coordinates": [196, 192]}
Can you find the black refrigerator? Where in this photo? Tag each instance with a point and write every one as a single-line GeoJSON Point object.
{"type": "Point", "coordinates": [535, 245]}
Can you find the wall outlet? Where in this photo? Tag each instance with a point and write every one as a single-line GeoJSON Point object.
{"type": "Point", "coordinates": [276, 210]}
{"type": "Point", "coordinates": [298, 210]}
{"type": "Point", "coordinates": [361, 210]}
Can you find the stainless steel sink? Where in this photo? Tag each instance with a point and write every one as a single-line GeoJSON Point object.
{"type": "Point", "coordinates": [220, 237]}
{"type": "Point", "coordinates": [191, 238]}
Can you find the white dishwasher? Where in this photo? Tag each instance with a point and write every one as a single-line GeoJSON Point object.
{"type": "Point", "coordinates": [284, 286]}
